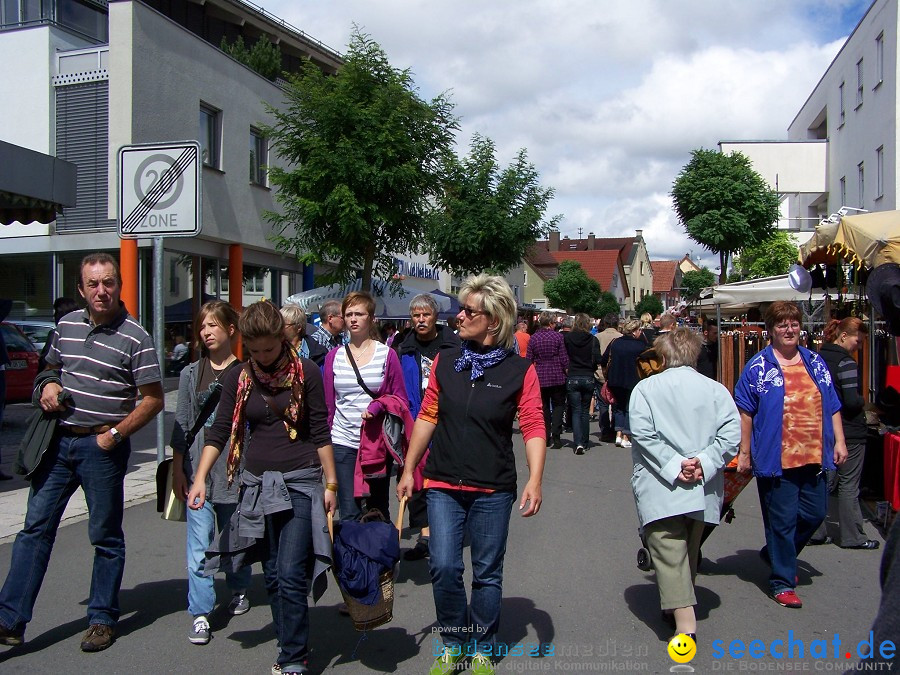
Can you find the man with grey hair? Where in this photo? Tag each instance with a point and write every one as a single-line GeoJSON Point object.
{"type": "Point", "coordinates": [417, 352]}
{"type": "Point", "coordinates": [329, 333]}
{"type": "Point", "coordinates": [295, 333]}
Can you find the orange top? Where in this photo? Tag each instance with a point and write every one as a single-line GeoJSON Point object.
{"type": "Point", "coordinates": [802, 423]}
{"type": "Point", "coordinates": [522, 341]}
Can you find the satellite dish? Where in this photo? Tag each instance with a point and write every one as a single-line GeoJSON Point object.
{"type": "Point", "coordinates": [799, 279]}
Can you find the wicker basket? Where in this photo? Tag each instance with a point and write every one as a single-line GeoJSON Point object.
{"type": "Point", "coordinates": [366, 617]}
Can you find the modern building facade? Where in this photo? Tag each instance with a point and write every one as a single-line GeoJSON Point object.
{"type": "Point", "coordinates": [841, 147]}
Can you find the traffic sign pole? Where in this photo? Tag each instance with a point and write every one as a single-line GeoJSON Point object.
{"type": "Point", "coordinates": [159, 338]}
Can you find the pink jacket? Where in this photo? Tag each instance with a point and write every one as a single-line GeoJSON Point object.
{"type": "Point", "coordinates": [392, 386]}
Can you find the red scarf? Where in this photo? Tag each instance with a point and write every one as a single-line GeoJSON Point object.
{"type": "Point", "coordinates": [287, 373]}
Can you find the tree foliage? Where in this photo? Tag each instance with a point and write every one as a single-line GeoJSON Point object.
{"type": "Point", "coordinates": [264, 57]}
{"type": "Point", "coordinates": [723, 203]}
{"type": "Point", "coordinates": [650, 304]}
{"type": "Point", "coordinates": [607, 304]}
{"type": "Point", "coordinates": [695, 281]}
{"type": "Point", "coordinates": [572, 289]}
{"type": "Point", "coordinates": [487, 218]}
{"type": "Point", "coordinates": [773, 256]}
{"type": "Point", "coordinates": [365, 157]}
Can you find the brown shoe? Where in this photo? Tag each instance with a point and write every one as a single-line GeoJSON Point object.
{"type": "Point", "coordinates": [98, 637]}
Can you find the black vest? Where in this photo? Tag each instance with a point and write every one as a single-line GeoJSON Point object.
{"type": "Point", "coordinates": [472, 443]}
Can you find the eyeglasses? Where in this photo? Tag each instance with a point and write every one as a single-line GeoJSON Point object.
{"type": "Point", "coordinates": [787, 326]}
{"type": "Point", "coordinates": [471, 313]}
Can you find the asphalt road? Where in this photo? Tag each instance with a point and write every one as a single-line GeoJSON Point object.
{"type": "Point", "coordinates": [572, 593]}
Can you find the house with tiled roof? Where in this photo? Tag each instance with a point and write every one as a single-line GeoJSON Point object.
{"type": "Point", "coordinates": [636, 273]}
{"type": "Point", "coordinates": [667, 281]}
{"type": "Point", "coordinates": [687, 265]}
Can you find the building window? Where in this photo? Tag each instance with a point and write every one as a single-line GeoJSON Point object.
{"type": "Point", "coordinates": [842, 106]}
{"type": "Point", "coordinates": [525, 278]}
{"type": "Point", "coordinates": [259, 157]}
{"type": "Point", "coordinates": [255, 283]}
{"type": "Point", "coordinates": [859, 83]}
{"type": "Point", "coordinates": [209, 135]}
{"type": "Point", "coordinates": [879, 176]}
{"type": "Point", "coordinates": [843, 190]}
{"type": "Point", "coordinates": [861, 175]}
{"type": "Point", "coordinates": [879, 59]}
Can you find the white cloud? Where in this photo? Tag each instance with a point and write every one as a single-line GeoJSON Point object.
{"type": "Point", "coordinates": [609, 98]}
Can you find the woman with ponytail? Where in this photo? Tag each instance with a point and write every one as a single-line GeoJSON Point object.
{"type": "Point", "coordinates": [844, 522]}
{"type": "Point", "coordinates": [273, 414]}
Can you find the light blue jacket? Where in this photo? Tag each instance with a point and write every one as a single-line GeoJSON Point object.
{"type": "Point", "coordinates": [760, 393]}
{"type": "Point", "coordinates": [676, 415]}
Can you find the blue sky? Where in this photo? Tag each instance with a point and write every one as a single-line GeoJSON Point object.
{"type": "Point", "coordinates": [609, 97]}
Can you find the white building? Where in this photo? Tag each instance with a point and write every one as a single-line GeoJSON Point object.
{"type": "Point", "coordinates": [841, 149]}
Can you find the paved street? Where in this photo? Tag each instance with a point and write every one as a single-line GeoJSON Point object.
{"type": "Point", "coordinates": [571, 584]}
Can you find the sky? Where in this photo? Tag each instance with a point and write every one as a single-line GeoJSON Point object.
{"type": "Point", "coordinates": [608, 97]}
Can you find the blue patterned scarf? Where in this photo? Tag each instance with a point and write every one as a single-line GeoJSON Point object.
{"type": "Point", "coordinates": [479, 361]}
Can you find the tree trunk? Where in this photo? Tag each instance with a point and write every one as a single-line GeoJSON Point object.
{"type": "Point", "coordinates": [723, 266]}
{"type": "Point", "coordinates": [368, 263]}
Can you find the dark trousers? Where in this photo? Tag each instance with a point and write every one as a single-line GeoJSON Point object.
{"type": "Point", "coordinates": [554, 400]}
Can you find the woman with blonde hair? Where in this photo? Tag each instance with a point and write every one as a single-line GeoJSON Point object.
{"type": "Point", "coordinates": [273, 420]}
{"type": "Point", "coordinates": [216, 334]}
{"type": "Point", "coordinates": [471, 469]}
{"type": "Point", "coordinates": [677, 477]}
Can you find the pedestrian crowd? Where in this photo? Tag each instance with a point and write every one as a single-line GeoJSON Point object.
{"type": "Point", "coordinates": [267, 451]}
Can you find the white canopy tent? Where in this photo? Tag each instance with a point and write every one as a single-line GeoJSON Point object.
{"type": "Point", "coordinates": [387, 306]}
{"type": "Point", "coordinates": [740, 296]}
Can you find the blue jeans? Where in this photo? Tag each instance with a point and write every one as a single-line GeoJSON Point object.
{"type": "Point", "coordinates": [793, 506]}
{"type": "Point", "coordinates": [287, 566]}
{"type": "Point", "coordinates": [201, 529]}
{"type": "Point", "coordinates": [70, 461]}
{"type": "Point", "coordinates": [345, 468]}
{"type": "Point", "coordinates": [485, 518]}
{"type": "Point", "coordinates": [580, 390]}
{"type": "Point", "coordinates": [620, 408]}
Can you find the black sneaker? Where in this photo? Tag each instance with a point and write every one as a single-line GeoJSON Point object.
{"type": "Point", "coordinates": [417, 552]}
{"type": "Point", "coordinates": [11, 638]}
{"type": "Point", "coordinates": [557, 444]}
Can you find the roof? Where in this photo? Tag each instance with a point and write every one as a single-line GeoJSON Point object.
{"type": "Point", "coordinates": [598, 265]}
{"type": "Point", "coordinates": [538, 256]}
{"type": "Point", "coordinates": [623, 244]}
{"type": "Point", "coordinates": [687, 259]}
{"type": "Point", "coordinates": [664, 275]}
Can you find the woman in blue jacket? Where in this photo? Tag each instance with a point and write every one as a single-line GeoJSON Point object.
{"type": "Point", "coordinates": [791, 433]}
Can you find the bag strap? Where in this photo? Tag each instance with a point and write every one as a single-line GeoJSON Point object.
{"type": "Point", "coordinates": [358, 376]}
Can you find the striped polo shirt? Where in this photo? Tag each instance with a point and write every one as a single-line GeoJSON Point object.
{"type": "Point", "coordinates": [102, 366]}
{"type": "Point", "coordinates": [350, 399]}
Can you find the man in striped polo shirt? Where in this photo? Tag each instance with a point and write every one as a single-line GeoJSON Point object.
{"type": "Point", "coordinates": [105, 359]}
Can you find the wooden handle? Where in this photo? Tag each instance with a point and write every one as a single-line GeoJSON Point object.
{"type": "Point", "coordinates": [398, 524]}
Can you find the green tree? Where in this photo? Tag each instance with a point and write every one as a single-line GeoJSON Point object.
{"type": "Point", "coordinates": [487, 218]}
{"type": "Point", "coordinates": [607, 304]}
{"type": "Point", "coordinates": [695, 281]}
{"type": "Point", "coordinates": [773, 256]}
{"type": "Point", "coordinates": [650, 304]}
{"type": "Point", "coordinates": [572, 289]}
{"type": "Point", "coordinates": [264, 57]}
{"type": "Point", "coordinates": [724, 204]}
{"type": "Point", "coordinates": [366, 156]}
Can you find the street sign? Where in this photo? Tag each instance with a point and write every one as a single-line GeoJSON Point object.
{"type": "Point", "coordinates": [159, 190]}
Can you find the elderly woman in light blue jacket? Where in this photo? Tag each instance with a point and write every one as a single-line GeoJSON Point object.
{"type": "Point", "coordinates": [685, 428]}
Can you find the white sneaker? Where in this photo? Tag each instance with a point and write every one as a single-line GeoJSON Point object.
{"type": "Point", "coordinates": [618, 441]}
{"type": "Point", "coordinates": [199, 634]}
{"type": "Point", "coordinates": [626, 444]}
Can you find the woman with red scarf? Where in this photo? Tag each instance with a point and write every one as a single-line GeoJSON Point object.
{"type": "Point", "coordinates": [273, 412]}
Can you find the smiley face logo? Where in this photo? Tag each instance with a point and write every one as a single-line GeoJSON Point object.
{"type": "Point", "coordinates": [682, 648]}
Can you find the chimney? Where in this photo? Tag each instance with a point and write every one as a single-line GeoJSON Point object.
{"type": "Point", "coordinates": [553, 244]}
{"type": "Point", "coordinates": [638, 234]}
{"type": "Point", "coordinates": [590, 245]}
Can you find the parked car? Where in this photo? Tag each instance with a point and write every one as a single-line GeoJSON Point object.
{"type": "Point", "coordinates": [23, 367]}
{"type": "Point", "coordinates": [36, 331]}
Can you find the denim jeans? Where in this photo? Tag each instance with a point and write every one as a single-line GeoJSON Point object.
{"type": "Point", "coordinates": [554, 401]}
{"type": "Point", "coordinates": [580, 390]}
{"type": "Point", "coordinates": [620, 408]}
{"type": "Point", "coordinates": [484, 516]}
{"type": "Point", "coordinates": [345, 468]}
{"type": "Point", "coordinates": [70, 461]}
{"type": "Point", "coordinates": [287, 564]}
{"type": "Point", "coordinates": [202, 526]}
{"type": "Point", "coordinates": [793, 506]}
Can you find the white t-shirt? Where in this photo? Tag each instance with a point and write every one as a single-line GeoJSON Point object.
{"type": "Point", "coordinates": [350, 399]}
